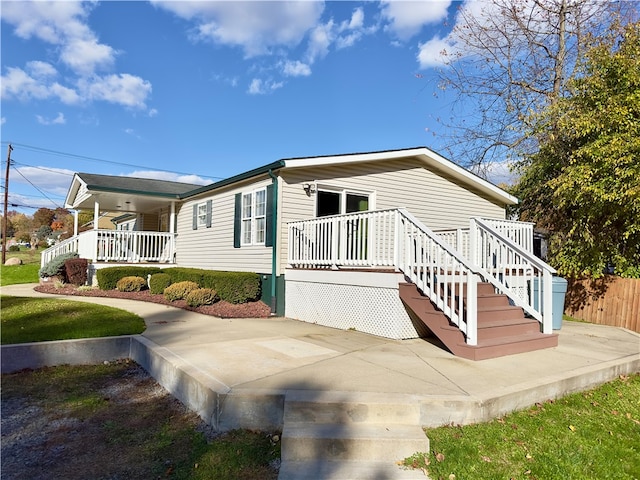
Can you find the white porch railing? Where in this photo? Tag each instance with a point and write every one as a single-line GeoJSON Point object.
{"type": "Point", "coordinates": [117, 246]}
{"type": "Point", "coordinates": [520, 233]}
{"type": "Point", "coordinates": [446, 266]}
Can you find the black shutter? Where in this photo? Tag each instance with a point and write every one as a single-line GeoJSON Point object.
{"type": "Point", "coordinates": [237, 221]}
{"type": "Point", "coordinates": [209, 213]}
{"type": "Point", "coordinates": [270, 218]}
{"type": "Point", "coordinates": [194, 224]}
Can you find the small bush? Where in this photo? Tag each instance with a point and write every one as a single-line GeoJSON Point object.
{"type": "Point", "coordinates": [202, 296]}
{"type": "Point", "coordinates": [158, 282]}
{"type": "Point", "coordinates": [14, 248]}
{"type": "Point", "coordinates": [76, 270]}
{"type": "Point", "coordinates": [56, 266]}
{"type": "Point", "coordinates": [180, 290]}
{"type": "Point", "coordinates": [131, 284]}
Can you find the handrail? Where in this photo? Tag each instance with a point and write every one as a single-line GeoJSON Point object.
{"type": "Point", "coordinates": [514, 271]}
{"type": "Point", "coordinates": [66, 246]}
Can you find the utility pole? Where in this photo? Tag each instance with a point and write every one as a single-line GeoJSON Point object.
{"type": "Point", "coordinates": [5, 220]}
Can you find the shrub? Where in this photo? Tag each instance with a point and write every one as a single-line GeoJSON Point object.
{"type": "Point", "coordinates": [233, 287]}
{"type": "Point", "coordinates": [56, 266]}
{"type": "Point", "coordinates": [76, 270]}
{"type": "Point", "coordinates": [14, 248]}
{"type": "Point", "coordinates": [158, 282]}
{"type": "Point", "coordinates": [202, 296]}
{"type": "Point", "coordinates": [131, 284]}
{"type": "Point", "coordinates": [108, 277]}
{"type": "Point", "coordinates": [180, 290]}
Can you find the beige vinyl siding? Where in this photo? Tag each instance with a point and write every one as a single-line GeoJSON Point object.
{"type": "Point", "coordinates": [212, 248]}
{"type": "Point", "coordinates": [149, 222]}
{"type": "Point", "coordinates": [439, 202]}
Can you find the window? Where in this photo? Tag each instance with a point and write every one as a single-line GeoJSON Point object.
{"type": "Point", "coordinates": [202, 215]}
{"type": "Point", "coordinates": [254, 209]}
{"type": "Point", "coordinates": [254, 218]}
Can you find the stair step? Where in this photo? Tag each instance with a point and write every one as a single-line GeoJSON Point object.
{"type": "Point", "coordinates": [493, 300]}
{"type": "Point", "coordinates": [349, 408]}
{"type": "Point", "coordinates": [346, 470]}
{"type": "Point", "coordinates": [504, 312]}
{"type": "Point", "coordinates": [383, 442]}
{"type": "Point", "coordinates": [499, 347]}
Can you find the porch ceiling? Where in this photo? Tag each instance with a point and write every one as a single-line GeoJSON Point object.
{"type": "Point", "coordinates": [121, 202]}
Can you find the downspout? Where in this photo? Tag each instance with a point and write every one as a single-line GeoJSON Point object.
{"type": "Point", "coordinates": [274, 237]}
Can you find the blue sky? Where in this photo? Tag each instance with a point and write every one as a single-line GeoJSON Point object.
{"type": "Point", "coordinates": [197, 91]}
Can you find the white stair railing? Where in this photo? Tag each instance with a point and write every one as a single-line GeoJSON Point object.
{"type": "Point", "coordinates": [513, 270]}
{"type": "Point", "coordinates": [66, 246]}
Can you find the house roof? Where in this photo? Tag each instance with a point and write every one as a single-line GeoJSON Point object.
{"type": "Point", "coordinates": [128, 194]}
{"type": "Point", "coordinates": [431, 159]}
{"type": "Point", "coordinates": [118, 193]}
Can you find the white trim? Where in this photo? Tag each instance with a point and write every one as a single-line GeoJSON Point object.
{"type": "Point", "coordinates": [354, 278]}
{"type": "Point", "coordinates": [253, 218]}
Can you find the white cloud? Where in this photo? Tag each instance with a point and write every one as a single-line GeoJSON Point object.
{"type": "Point", "coordinates": [437, 52]}
{"type": "Point", "coordinates": [55, 181]}
{"type": "Point", "coordinates": [256, 27]}
{"type": "Point", "coordinates": [152, 112]}
{"type": "Point", "coordinates": [59, 120]}
{"type": "Point", "coordinates": [263, 87]}
{"type": "Point", "coordinates": [123, 89]}
{"type": "Point", "coordinates": [406, 19]}
{"type": "Point", "coordinates": [64, 25]}
{"type": "Point", "coordinates": [296, 69]}
{"type": "Point", "coordinates": [168, 176]}
{"type": "Point", "coordinates": [3, 120]}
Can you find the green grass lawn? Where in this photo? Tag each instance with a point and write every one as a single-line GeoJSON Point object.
{"type": "Point", "coordinates": [588, 435]}
{"type": "Point", "coordinates": [25, 273]}
{"type": "Point", "coordinates": [41, 319]}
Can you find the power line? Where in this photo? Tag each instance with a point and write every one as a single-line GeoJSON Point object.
{"type": "Point", "coordinates": [14, 162]}
{"type": "Point", "coordinates": [38, 189]}
{"type": "Point", "coordinates": [93, 159]}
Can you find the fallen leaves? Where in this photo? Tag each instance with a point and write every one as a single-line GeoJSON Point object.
{"type": "Point", "coordinates": [572, 428]}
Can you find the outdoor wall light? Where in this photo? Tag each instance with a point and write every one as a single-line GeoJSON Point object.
{"type": "Point", "coordinates": [309, 188]}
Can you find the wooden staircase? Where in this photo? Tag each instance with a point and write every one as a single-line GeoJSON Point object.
{"type": "Point", "coordinates": [502, 328]}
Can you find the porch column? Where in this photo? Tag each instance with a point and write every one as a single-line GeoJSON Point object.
{"type": "Point", "coordinates": [172, 218]}
{"type": "Point", "coordinates": [96, 214]}
{"type": "Point", "coordinates": [75, 223]}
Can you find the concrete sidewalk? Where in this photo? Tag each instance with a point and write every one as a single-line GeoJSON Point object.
{"type": "Point", "coordinates": [277, 355]}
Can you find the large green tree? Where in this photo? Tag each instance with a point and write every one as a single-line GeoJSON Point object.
{"type": "Point", "coordinates": [583, 185]}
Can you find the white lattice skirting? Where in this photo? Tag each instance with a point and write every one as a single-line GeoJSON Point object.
{"type": "Point", "coordinates": [364, 301]}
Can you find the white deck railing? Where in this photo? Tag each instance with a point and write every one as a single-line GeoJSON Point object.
{"type": "Point", "coordinates": [117, 246]}
{"type": "Point", "coordinates": [445, 266]}
{"type": "Point", "coordinates": [391, 238]}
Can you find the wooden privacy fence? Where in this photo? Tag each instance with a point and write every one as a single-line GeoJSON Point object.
{"type": "Point", "coordinates": [609, 300]}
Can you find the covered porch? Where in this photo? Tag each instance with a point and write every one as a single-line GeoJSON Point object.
{"type": "Point", "coordinates": [149, 207]}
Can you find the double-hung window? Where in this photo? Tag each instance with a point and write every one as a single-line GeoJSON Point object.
{"type": "Point", "coordinates": [254, 209]}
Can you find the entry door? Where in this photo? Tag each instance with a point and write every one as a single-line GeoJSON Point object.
{"type": "Point", "coordinates": [352, 234]}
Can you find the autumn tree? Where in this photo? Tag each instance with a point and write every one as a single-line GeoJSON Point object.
{"type": "Point", "coordinates": [506, 60]}
{"type": "Point", "coordinates": [583, 184]}
{"type": "Point", "coordinates": [43, 216]}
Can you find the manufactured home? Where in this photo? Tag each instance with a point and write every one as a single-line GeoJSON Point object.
{"type": "Point", "coordinates": [400, 243]}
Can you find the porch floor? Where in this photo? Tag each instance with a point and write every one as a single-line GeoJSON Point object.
{"type": "Point", "coordinates": [280, 355]}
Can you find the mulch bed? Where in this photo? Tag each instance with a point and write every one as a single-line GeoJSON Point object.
{"type": "Point", "coordinates": [220, 309]}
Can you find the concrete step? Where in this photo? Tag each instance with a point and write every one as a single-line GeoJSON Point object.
{"type": "Point", "coordinates": [348, 470]}
{"type": "Point", "coordinates": [350, 408]}
{"type": "Point", "coordinates": [349, 442]}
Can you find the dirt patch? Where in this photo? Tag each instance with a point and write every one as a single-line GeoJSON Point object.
{"type": "Point", "coordinates": [113, 421]}
{"type": "Point", "coordinates": [220, 309]}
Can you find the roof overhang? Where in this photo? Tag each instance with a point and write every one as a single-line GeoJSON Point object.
{"type": "Point", "coordinates": [83, 196]}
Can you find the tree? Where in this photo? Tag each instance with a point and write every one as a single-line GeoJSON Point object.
{"type": "Point", "coordinates": [23, 227]}
{"type": "Point", "coordinates": [44, 232]}
{"type": "Point", "coordinates": [583, 184]}
{"type": "Point", "coordinates": [43, 216]}
{"type": "Point", "coordinates": [508, 59]}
